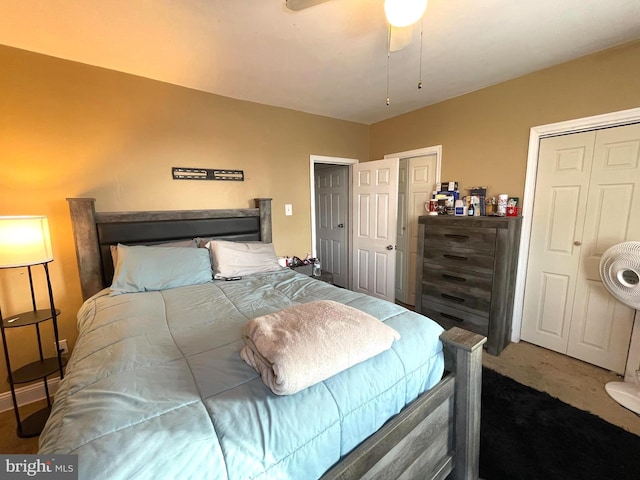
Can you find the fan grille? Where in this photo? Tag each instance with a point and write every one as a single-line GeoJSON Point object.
{"type": "Point", "coordinates": [620, 272]}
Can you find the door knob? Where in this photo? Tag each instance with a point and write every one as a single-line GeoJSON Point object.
{"type": "Point", "coordinates": [341, 225]}
{"type": "Point", "coordinates": [577, 243]}
{"type": "Point", "coordinates": [389, 247]}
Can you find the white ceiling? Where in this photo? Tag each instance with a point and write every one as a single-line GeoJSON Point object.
{"type": "Point", "coordinates": [330, 59]}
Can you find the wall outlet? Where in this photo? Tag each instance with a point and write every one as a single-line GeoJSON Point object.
{"type": "Point", "coordinates": [62, 346]}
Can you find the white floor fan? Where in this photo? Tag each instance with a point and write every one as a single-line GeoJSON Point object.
{"type": "Point", "coordinates": [620, 273]}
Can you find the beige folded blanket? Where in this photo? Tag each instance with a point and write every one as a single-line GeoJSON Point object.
{"type": "Point", "coordinates": [302, 345]}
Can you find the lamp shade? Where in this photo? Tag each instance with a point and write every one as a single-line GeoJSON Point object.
{"type": "Point", "coordinates": [24, 241]}
{"type": "Point", "coordinates": [402, 13]}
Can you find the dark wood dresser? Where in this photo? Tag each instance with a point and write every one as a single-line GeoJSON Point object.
{"type": "Point", "coordinates": [466, 274]}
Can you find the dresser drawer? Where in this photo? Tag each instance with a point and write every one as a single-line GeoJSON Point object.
{"type": "Point", "coordinates": [465, 237]}
{"type": "Point", "coordinates": [472, 300]}
{"type": "Point", "coordinates": [480, 261]}
{"type": "Point", "coordinates": [433, 274]}
{"type": "Point", "coordinates": [449, 317]}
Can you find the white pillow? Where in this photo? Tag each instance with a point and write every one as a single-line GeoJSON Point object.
{"type": "Point", "coordinates": [239, 259]}
{"type": "Point", "coordinates": [141, 268]}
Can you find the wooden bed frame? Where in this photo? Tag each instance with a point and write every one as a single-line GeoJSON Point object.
{"type": "Point", "coordinates": [437, 436]}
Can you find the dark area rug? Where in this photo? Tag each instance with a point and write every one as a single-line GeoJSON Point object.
{"type": "Point", "coordinates": [527, 434]}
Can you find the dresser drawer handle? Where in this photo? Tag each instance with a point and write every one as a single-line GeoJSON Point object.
{"type": "Point", "coordinates": [451, 317]}
{"type": "Point", "coordinates": [453, 235]}
{"type": "Point", "coordinates": [453, 278]}
{"type": "Point", "coordinates": [454, 257]}
{"type": "Point", "coordinates": [452, 298]}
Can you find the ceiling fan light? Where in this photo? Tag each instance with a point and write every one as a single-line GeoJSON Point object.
{"type": "Point", "coordinates": [402, 13]}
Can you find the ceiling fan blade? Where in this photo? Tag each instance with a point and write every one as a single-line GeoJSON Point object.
{"type": "Point", "coordinates": [296, 5]}
{"type": "Point", "coordinates": [400, 38]}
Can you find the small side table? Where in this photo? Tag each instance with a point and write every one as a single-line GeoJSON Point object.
{"type": "Point", "coordinates": [37, 370]}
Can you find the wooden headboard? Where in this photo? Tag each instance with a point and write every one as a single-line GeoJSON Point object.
{"type": "Point", "coordinates": [95, 232]}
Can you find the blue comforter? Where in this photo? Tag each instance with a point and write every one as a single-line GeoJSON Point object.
{"type": "Point", "coordinates": [156, 387]}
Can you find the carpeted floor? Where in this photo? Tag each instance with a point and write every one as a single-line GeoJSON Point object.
{"type": "Point", "coordinates": [527, 434]}
{"type": "Point", "coordinates": [10, 443]}
{"type": "Point", "coordinates": [574, 382]}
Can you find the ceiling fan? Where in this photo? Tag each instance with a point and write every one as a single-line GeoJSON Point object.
{"type": "Point", "coordinates": [401, 15]}
{"type": "Point", "coordinates": [296, 5]}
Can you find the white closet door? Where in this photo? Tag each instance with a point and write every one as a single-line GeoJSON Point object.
{"type": "Point", "coordinates": [402, 235]}
{"type": "Point", "coordinates": [421, 183]}
{"type": "Point", "coordinates": [601, 326]}
{"type": "Point", "coordinates": [564, 168]}
{"type": "Point", "coordinates": [586, 197]}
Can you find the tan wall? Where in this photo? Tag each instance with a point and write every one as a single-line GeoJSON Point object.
{"type": "Point", "coordinates": [485, 134]}
{"type": "Point", "coordinates": [68, 130]}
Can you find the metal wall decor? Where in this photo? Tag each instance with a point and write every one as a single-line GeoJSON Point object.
{"type": "Point", "coordinates": [181, 173]}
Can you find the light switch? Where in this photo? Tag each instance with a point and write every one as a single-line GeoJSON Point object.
{"type": "Point", "coordinates": [288, 209]}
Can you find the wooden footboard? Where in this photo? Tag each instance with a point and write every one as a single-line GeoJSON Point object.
{"type": "Point", "coordinates": [435, 436]}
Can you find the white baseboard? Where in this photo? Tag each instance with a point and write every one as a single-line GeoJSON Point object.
{"type": "Point", "coordinates": [29, 394]}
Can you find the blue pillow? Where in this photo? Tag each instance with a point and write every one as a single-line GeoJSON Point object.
{"type": "Point", "coordinates": [141, 268]}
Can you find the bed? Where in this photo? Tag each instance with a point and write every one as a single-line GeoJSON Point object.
{"type": "Point", "coordinates": [155, 387]}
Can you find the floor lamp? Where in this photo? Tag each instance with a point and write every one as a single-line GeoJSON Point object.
{"type": "Point", "coordinates": [25, 243]}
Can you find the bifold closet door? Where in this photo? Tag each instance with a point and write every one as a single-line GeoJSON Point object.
{"type": "Point", "coordinates": [601, 325]}
{"type": "Point", "coordinates": [586, 195]}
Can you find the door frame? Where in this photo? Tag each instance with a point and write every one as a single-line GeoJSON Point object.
{"type": "Point", "coordinates": [319, 159]}
{"type": "Point", "coordinates": [614, 119]}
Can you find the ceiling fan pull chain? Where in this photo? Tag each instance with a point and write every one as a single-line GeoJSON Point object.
{"type": "Point", "coordinates": [388, 62]}
{"type": "Point", "coordinates": [421, 43]}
